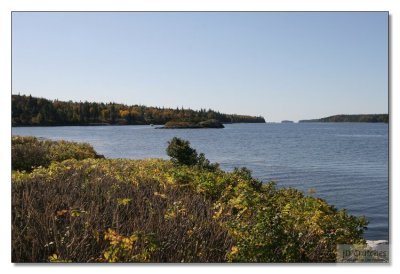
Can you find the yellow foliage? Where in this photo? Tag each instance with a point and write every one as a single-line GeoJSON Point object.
{"type": "Point", "coordinates": [123, 201]}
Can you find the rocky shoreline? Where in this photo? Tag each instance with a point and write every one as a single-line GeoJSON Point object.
{"type": "Point", "coordinates": [375, 244]}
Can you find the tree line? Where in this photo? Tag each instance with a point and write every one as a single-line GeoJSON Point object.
{"type": "Point", "coordinates": [360, 118]}
{"type": "Point", "coordinates": [33, 111]}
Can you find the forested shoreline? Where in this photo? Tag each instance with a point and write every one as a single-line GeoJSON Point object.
{"type": "Point", "coordinates": [360, 118]}
{"type": "Point", "coordinates": [33, 111]}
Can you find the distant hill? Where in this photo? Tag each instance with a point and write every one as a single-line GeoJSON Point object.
{"type": "Point", "coordinates": [33, 111]}
{"type": "Point", "coordinates": [359, 118]}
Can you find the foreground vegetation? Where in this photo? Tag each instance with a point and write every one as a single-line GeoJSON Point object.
{"type": "Point", "coordinates": [28, 153]}
{"type": "Point", "coordinates": [32, 111]}
{"type": "Point", "coordinates": [181, 210]}
{"type": "Point", "coordinates": [361, 118]}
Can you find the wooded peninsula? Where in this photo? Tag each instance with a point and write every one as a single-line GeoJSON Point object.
{"type": "Point", "coordinates": [360, 118]}
{"type": "Point", "coordinates": [33, 111]}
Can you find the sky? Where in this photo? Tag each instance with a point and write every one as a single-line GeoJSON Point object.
{"type": "Point", "coordinates": [280, 65]}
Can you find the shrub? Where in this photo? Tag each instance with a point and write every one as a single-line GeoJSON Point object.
{"type": "Point", "coordinates": [27, 153]}
{"type": "Point", "coordinates": [204, 163]}
{"type": "Point", "coordinates": [30, 152]}
{"type": "Point", "coordinates": [283, 225]}
{"type": "Point", "coordinates": [181, 153]}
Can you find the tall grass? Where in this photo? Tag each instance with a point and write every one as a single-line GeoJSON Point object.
{"type": "Point", "coordinates": [70, 212]}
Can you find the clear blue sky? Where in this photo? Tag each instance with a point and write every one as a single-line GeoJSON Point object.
{"type": "Point", "coordinates": [278, 65]}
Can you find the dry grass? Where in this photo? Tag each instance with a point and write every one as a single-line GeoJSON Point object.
{"type": "Point", "coordinates": [69, 213]}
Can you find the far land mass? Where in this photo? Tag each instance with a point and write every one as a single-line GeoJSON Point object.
{"type": "Point", "coordinates": [33, 111]}
{"type": "Point", "coordinates": [358, 118]}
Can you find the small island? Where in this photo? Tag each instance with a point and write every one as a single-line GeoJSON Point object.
{"type": "Point", "coordinates": [287, 122]}
{"type": "Point", "coordinates": [212, 123]}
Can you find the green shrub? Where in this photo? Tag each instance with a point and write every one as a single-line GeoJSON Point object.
{"type": "Point", "coordinates": [30, 152]}
{"type": "Point", "coordinates": [181, 153]}
{"type": "Point", "coordinates": [283, 225]}
{"type": "Point", "coordinates": [27, 153]}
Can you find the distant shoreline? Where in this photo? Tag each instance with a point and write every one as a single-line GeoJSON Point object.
{"type": "Point", "coordinates": [162, 126]}
{"type": "Point", "coordinates": [350, 118]}
{"type": "Point", "coordinates": [98, 125]}
{"type": "Point", "coordinates": [34, 111]}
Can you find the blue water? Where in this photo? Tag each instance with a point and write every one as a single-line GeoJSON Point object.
{"type": "Point", "coordinates": [347, 163]}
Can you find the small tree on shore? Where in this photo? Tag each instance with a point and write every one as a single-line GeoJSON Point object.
{"type": "Point", "coordinates": [181, 153]}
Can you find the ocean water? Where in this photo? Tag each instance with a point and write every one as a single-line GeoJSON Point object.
{"type": "Point", "coordinates": [346, 163]}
